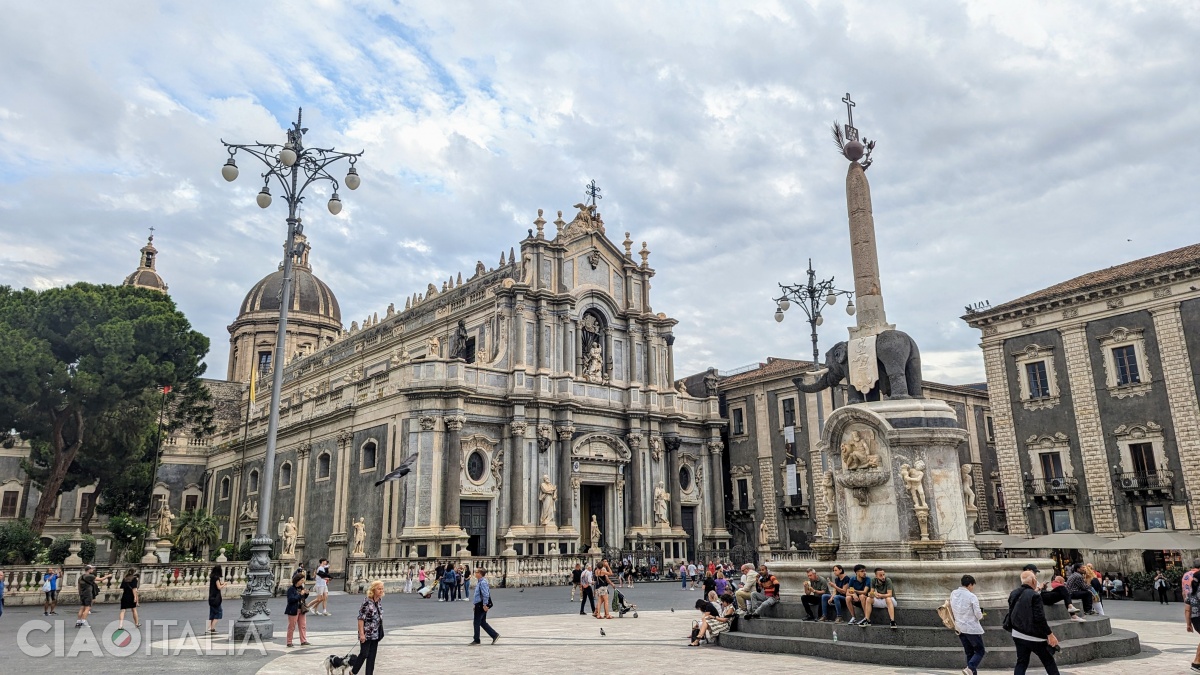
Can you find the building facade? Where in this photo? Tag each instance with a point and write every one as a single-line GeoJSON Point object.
{"type": "Point", "coordinates": [1093, 387]}
{"type": "Point", "coordinates": [761, 403]}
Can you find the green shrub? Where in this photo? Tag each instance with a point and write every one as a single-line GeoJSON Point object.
{"type": "Point", "coordinates": [61, 548]}
{"type": "Point", "coordinates": [19, 544]}
{"type": "Point", "coordinates": [1141, 581]}
{"type": "Point", "coordinates": [243, 551]}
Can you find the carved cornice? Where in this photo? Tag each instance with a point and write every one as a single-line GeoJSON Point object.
{"type": "Point", "coordinates": [237, 468]}
{"type": "Point", "coordinates": [428, 423]}
{"type": "Point", "coordinates": [303, 449]}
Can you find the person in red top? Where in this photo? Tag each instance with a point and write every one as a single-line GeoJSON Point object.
{"type": "Point", "coordinates": [1189, 576]}
{"type": "Point", "coordinates": [768, 593]}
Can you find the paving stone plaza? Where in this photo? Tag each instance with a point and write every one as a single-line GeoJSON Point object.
{"type": "Point", "coordinates": [538, 626]}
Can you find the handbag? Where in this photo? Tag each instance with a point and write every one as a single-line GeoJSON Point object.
{"type": "Point", "coordinates": [46, 586]}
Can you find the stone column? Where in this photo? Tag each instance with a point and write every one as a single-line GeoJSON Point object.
{"type": "Point", "coordinates": [637, 463]}
{"type": "Point", "coordinates": [1176, 366]}
{"type": "Point", "coordinates": [672, 478]}
{"type": "Point", "coordinates": [300, 485]}
{"type": "Point", "coordinates": [565, 516]}
{"type": "Point", "coordinates": [517, 479]}
{"type": "Point", "coordinates": [717, 471]}
{"type": "Point", "coordinates": [652, 378]}
{"type": "Point", "coordinates": [451, 493]}
{"type": "Point", "coordinates": [1008, 459]}
{"type": "Point", "coordinates": [1090, 432]}
{"type": "Point", "coordinates": [520, 354]}
{"type": "Point", "coordinates": [670, 340]}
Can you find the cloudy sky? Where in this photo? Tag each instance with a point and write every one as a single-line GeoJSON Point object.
{"type": "Point", "coordinates": [1020, 144]}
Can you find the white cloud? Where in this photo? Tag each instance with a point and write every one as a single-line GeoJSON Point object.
{"type": "Point", "coordinates": [1006, 130]}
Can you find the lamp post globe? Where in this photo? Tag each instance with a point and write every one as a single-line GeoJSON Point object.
{"type": "Point", "coordinates": [335, 204]}
{"type": "Point", "coordinates": [230, 171]}
{"type": "Point", "coordinates": [352, 180]}
{"type": "Point", "coordinates": [830, 299]}
{"type": "Point", "coordinates": [264, 198]}
{"type": "Point", "coordinates": [778, 315]}
{"type": "Point", "coordinates": [287, 156]}
{"type": "Point", "coordinates": [820, 319]}
{"type": "Point", "coordinates": [784, 304]}
{"type": "Point", "coordinates": [850, 308]}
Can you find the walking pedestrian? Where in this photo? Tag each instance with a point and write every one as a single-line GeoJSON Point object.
{"type": "Point", "coordinates": [586, 592]}
{"type": "Point", "coordinates": [448, 583]}
{"type": "Point", "coordinates": [370, 628]}
{"type": "Point", "coordinates": [50, 582]}
{"type": "Point", "coordinates": [603, 581]}
{"type": "Point", "coordinates": [1, 593]}
{"type": "Point", "coordinates": [320, 605]}
{"type": "Point", "coordinates": [1031, 633]}
{"type": "Point", "coordinates": [421, 579]}
{"type": "Point", "coordinates": [296, 609]}
{"type": "Point", "coordinates": [683, 575]}
{"type": "Point", "coordinates": [692, 575]}
{"type": "Point", "coordinates": [482, 599]}
{"type": "Point", "coordinates": [89, 588]}
{"type": "Point", "coordinates": [1160, 587]}
{"type": "Point", "coordinates": [129, 598]}
{"type": "Point", "coordinates": [216, 582]}
{"type": "Point", "coordinates": [964, 605]}
{"type": "Point", "coordinates": [1191, 616]}
{"type": "Point", "coordinates": [576, 575]}
{"type": "Point", "coordinates": [408, 579]}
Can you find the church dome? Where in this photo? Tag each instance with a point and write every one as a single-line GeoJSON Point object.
{"type": "Point", "coordinates": [145, 276]}
{"type": "Point", "coordinates": [310, 295]}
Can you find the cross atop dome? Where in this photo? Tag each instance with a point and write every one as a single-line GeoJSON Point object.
{"type": "Point", "coordinates": [146, 276]}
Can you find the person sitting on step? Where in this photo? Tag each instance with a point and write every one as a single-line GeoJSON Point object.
{"type": "Point", "coordinates": [859, 594]}
{"type": "Point", "coordinates": [883, 594]}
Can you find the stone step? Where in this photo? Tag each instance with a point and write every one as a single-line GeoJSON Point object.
{"type": "Point", "coordinates": [1120, 643]}
{"type": "Point", "coordinates": [914, 636]}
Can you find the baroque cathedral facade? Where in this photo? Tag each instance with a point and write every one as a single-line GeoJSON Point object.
{"type": "Point", "coordinates": [538, 396]}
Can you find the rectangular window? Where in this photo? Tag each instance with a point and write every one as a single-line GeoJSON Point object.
{"type": "Point", "coordinates": [1051, 465]}
{"type": "Point", "coordinates": [264, 363]}
{"type": "Point", "coordinates": [743, 494]}
{"type": "Point", "coordinates": [1143, 457]}
{"type": "Point", "coordinates": [1039, 384]}
{"type": "Point", "coordinates": [1060, 519]}
{"type": "Point", "coordinates": [619, 360]}
{"type": "Point", "coordinates": [739, 422]}
{"type": "Point", "coordinates": [1154, 516]}
{"type": "Point", "coordinates": [1127, 367]}
{"type": "Point", "coordinates": [190, 502]}
{"type": "Point", "coordinates": [991, 429]}
{"type": "Point", "coordinates": [8, 507]}
{"type": "Point", "coordinates": [85, 502]}
{"type": "Point", "coordinates": [789, 412]}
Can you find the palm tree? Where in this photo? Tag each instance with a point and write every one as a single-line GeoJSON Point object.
{"type": "Point", "coordinates": [197, 529]}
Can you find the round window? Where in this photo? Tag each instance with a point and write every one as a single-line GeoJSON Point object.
{"type": "Point", "coordinates": [685, 478]}
{"type": "Point", "coordinates": [476, 465]}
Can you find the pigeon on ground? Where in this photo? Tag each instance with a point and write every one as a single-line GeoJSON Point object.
{"type": "Point", "coordinates": [602, 632]}
{"type": "Point", "coordinates": [399, 472]}
{"type": "Point", "coordinates": [672, 610]}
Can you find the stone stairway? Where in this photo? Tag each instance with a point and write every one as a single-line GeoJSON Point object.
{"type": "Point", "coordinates": [921, 640]}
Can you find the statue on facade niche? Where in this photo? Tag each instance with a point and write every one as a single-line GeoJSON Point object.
{"type": "Point", "coordinates": [289, 537]}
{"type": "Point", "coordinates": [360, 537]}
{"type": "Point", "coordinates": [681, 388]}
{"type": "Point", "coordinates": [595, 533]}
{"type": "Point", "coordinates": [858, 452]}
{"type": "Point", "coordinates": [711, 381]}
{"type": "Point", "coordinates": [594, 366]}
{"type": "Point", "coordinates": [250, 510]}
{"type": "Point", "coordinates": [433, 347]}
{"type": "Point", "coordinates": [163, 528]}
{"type": "Point", "coordinates": [830, 496]}
{"type": "Point", "coordinates": [968, 486]}
{"type": "Point", "coordinates": [549, 494]}
{"type": "Point", "coordinates": [460, 341]}
{"type": "Point", "coordinates": [661, 498]}
{"type": "Point", "coordinates": [914, 480]}
{"type": "Point", "coordinates": [764, 534]}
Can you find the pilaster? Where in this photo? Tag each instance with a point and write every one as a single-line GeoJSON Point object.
{"type": "Point", "coordinates": [1181, 396]}
{"type": "Point", "coordinates": [1089, 429]}
{"type": "Point", "coordinates": [1007, 457]}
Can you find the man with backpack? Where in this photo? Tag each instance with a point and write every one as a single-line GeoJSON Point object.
{"type": "Point", "coordinates": [964, 606]}
{"type": "Point", "coordinates": [1026, 621]}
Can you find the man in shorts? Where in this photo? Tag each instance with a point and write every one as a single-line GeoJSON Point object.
{"type": "Point", "coordinates": [321, 589]}
{"type": "Point", "coordinates": [882, 595]}
{"type": "Point", "coordinates": [576, 577]}
{"type": "Point", "coordinates": [88, 590]}
{"type": "Point", "coordinates": [50, 588]}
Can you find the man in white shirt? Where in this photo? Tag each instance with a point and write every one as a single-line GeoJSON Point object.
{"type": "Point", "coordinates": [749, 580]}
{"type": "Point", "coordinates": [965, 606]}
{"type": "Point", "coordinates": [692, 574]}
{"type": "Point", "coordinates": [321, 590]}
{"type": "Point", "coordinates": [586, 580]}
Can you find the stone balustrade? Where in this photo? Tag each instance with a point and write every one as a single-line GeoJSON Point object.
{"type": "Point", "coordinates": [551, 570]}
{"type": "Point", "coordinates": [156, 583]}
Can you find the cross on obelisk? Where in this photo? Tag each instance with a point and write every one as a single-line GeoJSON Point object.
{"type": "Point", "coordinates": [593, 191]}
{"type": "Point", "coordinates": [851, 130]}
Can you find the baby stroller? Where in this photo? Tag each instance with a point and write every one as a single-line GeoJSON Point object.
{"type": "Point", "coordinates": [622, 606]}
{"type": "Point", "coordinates": [339, 664]}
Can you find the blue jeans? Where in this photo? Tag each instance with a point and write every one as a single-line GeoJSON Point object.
{"type": "Point", "coordinates": [973, 646]}
{"type": "Point", "coordinates": [684, 578]}
{"type": "Point", "coordinates": [481, 622]}
{"type": "Point", "coordinates": [839, 606]}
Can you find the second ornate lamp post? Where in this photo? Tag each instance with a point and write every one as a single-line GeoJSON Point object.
{"type": "Point", "coordinates": [294, 167]}
{"type": "Point", "coordinates": [812, 298]}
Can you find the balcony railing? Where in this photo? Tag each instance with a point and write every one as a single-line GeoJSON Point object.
{"type": "Point", "coordinates": [1145, 481]}
{"type": "Point", "coordinates": [1055, 488]}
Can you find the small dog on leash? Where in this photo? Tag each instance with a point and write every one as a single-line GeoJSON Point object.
{"type": "Point", "coordinates": [340, 664]}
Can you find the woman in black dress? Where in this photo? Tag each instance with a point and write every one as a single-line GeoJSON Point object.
{"type": "Point", "coordinates": [216, 581]}
{"type": "Point", "coordinates": [129, 597]}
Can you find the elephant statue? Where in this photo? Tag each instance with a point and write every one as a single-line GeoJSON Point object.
{"type": "Point", "coordinates": [899, 369]}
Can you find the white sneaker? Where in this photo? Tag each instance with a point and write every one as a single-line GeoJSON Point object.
{"type": "Point", "coordinates": [328, 614]}
{"type": "Point", "coordinates": [1078, 618]}
{"type": "Point", "coordinates": [853, 622]}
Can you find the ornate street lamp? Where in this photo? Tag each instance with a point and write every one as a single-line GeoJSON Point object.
{"type": "Point", "coordinates": [812, 298]}
{"type": "Point", "coordinates": [294, 167]}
